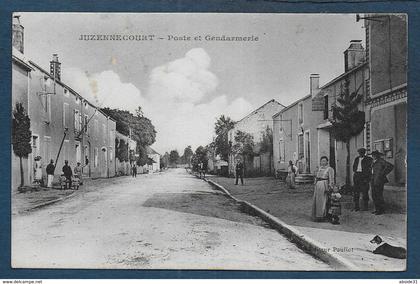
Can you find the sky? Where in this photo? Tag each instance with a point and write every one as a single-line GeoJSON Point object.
{"type": "Point", "coordinates": [184, 85]}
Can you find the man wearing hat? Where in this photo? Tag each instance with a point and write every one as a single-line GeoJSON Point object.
{"type": "Point", "coordinates": [380, 169]}
{"type": "Point", "coordinates": [362, 172]}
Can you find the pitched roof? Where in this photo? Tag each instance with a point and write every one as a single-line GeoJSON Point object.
{"type": "Point", "coordinates": [261, 107]}
{"type": "Point", "coordinates": [150, 150]}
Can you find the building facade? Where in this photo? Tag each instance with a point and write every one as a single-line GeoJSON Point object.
{"type": "Point", "coordinates": [155, 157]}
{"type": "Point", "coordinates": [386, 105]}
{"type": "Point", "coordinates": [301, 131]}
{"type": "Point", "coordinates": [255, 124]}
{"type": "Point", "coordinates": [64, 125]}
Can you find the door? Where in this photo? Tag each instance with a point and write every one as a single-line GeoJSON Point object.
{"type": "Point", "coordinates": [307, 153]}
{"type": "Point", "coordinates": [104, 162]}
{"type": "Point", "coordinates": [332, 153]}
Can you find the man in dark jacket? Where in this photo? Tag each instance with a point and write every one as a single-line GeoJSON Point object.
{"type": "Point", "coordinates": [67, 172]}
{"type": "Point", "coordinates": [50, 173]}
{"type": "Point", "coordinates": [362, 172]}
{"type": "Point", "coordinates": [380, 169]}
{"type": "Point", "coordinates": [239, 169]}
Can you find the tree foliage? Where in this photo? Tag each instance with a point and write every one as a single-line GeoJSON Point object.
{"type": "Point", "coordinates": [244, 144]}
{"type": "Point", "coordinates": [142, 129]}
{"type": "Point", "coordinates": [222, 126]}
{"type": "Point", "coordinates": [21, 132]}
{"type": "Point", "coordinates": [121, 150]}
{"type": "Point", "coordinates": [174, 157]}
{"type": "Point", "coordinates": [21, 136]}
{"type": "Point", "coordinates": [348, 121]}
{"type": "Point", "coordinates": [266, 144]}
{"type": "Point", "coordinates": [186, 157]}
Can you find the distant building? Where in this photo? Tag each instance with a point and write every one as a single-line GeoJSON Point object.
{"type": "Point", "coordinates": [255, 124]}
{"type": "Point", "coordinates": [155, 160]}
{"type": "Point", "coordinates": [60, 117]}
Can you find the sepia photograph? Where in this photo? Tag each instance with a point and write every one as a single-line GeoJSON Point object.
{"type": "Point", "coordinates": [209, 141]}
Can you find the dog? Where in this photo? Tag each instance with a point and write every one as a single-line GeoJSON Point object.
{"type": "Point", "coordinates": [388, 250]}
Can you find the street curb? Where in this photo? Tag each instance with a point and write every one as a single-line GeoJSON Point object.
{"type": "Point", "coordinates": [306, 243]}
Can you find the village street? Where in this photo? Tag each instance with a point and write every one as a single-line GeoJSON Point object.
{"type": "Point", "coordinates": [169, 220]}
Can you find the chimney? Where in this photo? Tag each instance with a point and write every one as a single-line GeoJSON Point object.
{"type": "Point", "coordinates": [17, 34]}
{"type": "Point", "coordinates": [55, 68]}
{"type": "Point", "coordinates": [314, 84]}
{"type": "Point", "coordinates": [354, 55]}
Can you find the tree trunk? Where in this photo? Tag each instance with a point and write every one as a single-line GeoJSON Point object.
{"type": "Point", "coordinates": [21, 172]}
{"type": "Point", "coordinates": [348, 185]}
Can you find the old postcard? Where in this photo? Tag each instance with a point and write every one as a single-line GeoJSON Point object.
{"type": "Point", "coordinates": [209, 141]}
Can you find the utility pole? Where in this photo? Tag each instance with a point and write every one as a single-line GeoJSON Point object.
{"type": "Point", "coordinates": [61, 146]}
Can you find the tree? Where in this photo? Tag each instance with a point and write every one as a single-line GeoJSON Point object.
{"type": "Point", "coordinates": [348, 121]}
{"type": "Point", "coordinates": [244, 144]}
{"type": "Point", "coordinates": [21, 136]}
{"type": "Point", "coordinates": [266, 144]}
{"type": "Point", "coordinates": [121, 151]}
{"type": "Point", "coordinates": [173, 157]}
{"type": "Point", "coordinates": [186, 157]}
{"type": "Point", "coordinates": [222, 126]}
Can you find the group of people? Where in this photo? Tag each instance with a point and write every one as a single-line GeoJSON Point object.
{"type": "Point", "coordinates": [67, 172]}
{"type": "Point", "coordinates": [368, 172]}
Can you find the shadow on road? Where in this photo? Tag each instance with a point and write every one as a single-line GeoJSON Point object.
{"type": "Point", "coordinates": [203, 203]}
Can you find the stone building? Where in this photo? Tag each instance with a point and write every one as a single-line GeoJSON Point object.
{"type": "Point", "coordinates": [256, 124]}
{"type": "Point", "coordinates": [386, 105]}
{"type": "Point", "coordinates": [64, 125]}
{"type": "Point", "coordinates": [302, 130]}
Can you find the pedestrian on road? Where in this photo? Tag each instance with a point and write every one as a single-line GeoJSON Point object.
{"type": "Point", "coordinates": [380, 169]}
{"type": "Point", "coordinates": [50, 173]}
{"type": "Point", "coordinates": [68, 173]}
{"type": "Point", "coordinates": [362, 173]}
{"type": "Point", "coordinates": [324, 183]}
{"type": "Point", "coordinates": [239, 170]}
{"type": "Point", "coordinates": [291, 174]}
{"type": "Point", "coordinates": [200, 168]}
{"type": "Point", "coordinates": [78, 171]}
{"type": "Point", "coordinates": [134, 170]}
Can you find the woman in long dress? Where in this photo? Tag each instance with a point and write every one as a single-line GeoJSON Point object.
{"type": "Point", "coordinates": [291, 174]}
{"type": "Point", "coordinates": [324, 181]}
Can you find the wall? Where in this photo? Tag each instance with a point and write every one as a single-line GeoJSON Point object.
{"type": "Point", "coordinates": [254, 124]}
{"type": "Point", "coordinates": [289, 136]}
{"type": "Point", "coordinates": [52, 113]}
{"type": "Point", "coordinates": [387, 105]}
{"type": "Point", "coordinates": [388, 52]}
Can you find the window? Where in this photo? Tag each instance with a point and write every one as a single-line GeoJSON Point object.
{"type": "Point", "coordinates": [110, 155]}
{"type": "Point", "coordinates": [96, 126]}
{"type": "Point", "coordinates": [281, 123]}
{"type": "Point", "coordinates": [77, 99]}
{"type": "Point", "coordinates": [35, 145]}
{"type": "Point", "coordinates": [282, 151]}
{"type": "Point", "coordinates": [104, 131]}
{"type": "Point", "coordinates": [300, 113]}
{"type": "Point", "coordinates": [86, 155]}
{"type": "Point", "coordinates": [77, 121]}
{"type": "Point", "coordinates": [85, 124]}
{"type": "Point", "coordinates": [78, 153]}
{"type": "Point", "coordinates": [66, 92]}
{"type": "Point", "coordinates": [47, 106]}
{"type": "Point", "coordinates": [301, 150]}
{"type": "Point", "coordinates": [326, 107]}
{"type": "Point", "coordinates": [111, 136]}
{"type": "Point", "coordinates": [95, 158]}
{"type": "Point", "coordinates": [66, 111]}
